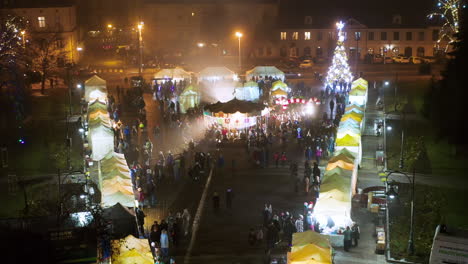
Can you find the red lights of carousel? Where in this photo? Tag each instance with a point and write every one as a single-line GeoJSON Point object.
{"type": "Point", "coordinates": [284, 102]}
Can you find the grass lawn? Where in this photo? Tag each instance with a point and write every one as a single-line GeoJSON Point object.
{"type": "Point", "coordinates": [433, 206]}
{"type": "Point", "coordinates": [440, 153]}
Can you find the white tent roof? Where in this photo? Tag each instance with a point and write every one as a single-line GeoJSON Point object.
{"type": "Point", "coordinates": [216, 73]}
{"type": "Point", "coordinates": [118, 197]}
{"type": "Point", "coordinates": [263, 71]}
{"type": "Point", "coordinates": [173, 73]}
{"type": "Point", "coordinates": [95, 81]}
{"type": "Point", "coordinates": [101, 141]}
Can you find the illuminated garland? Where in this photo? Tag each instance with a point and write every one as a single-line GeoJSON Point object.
{"type": "Point", "coordinates": [339, 71]}
{"type": "Point", "coordinates": [449, 12]}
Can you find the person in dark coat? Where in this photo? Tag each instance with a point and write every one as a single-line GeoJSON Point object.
{"type": "Point", "coordinates": [332, 106]}
{"type": "Point", "coordinates": [229, 196]}
{"type": "Point", "coordinates": [215, 201]}
{"type": "Point", "coordinates": [289, 229]}
{"type": "Point", "coordinates": [140, 219]}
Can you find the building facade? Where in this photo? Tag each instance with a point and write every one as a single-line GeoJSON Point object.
{"type": "Point", "coordinates": [178, 27]}
{"type": "Point", "coordinates": [59, 22]}
{"type": "Point", "coordinates": [362, 41]}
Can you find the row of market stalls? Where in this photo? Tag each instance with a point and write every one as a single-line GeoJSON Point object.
{"type": "Point", "coordinates": [333, 208]}
{"type": "Point", "coordinates": [219, 73]}
{"type": "Point", "coordinates": [111, 173]}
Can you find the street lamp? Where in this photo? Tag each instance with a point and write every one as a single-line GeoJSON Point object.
{"type": "Point", "coordinates": [140, 41]}
{"type": "Point", "coordinates": [201, 44]}
{"type": "Point", "coordinates": [109, 26]}
{"type": "Point", "coordinates": [23, 37]}
{"type": "Point", "coordinates": [392, 194]}
{"type": "Point", "coordinates": [239, 36]}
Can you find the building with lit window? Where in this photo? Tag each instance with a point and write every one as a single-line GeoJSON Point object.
{"type": "Point", "coordinates": [51, 21]}
{"type": "Point", "coordinates": [362, 41]}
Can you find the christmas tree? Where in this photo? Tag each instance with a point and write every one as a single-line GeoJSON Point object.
{"type": "Point", "coordinates": [339, 70]}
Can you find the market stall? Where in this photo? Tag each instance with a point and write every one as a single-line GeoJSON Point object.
{"type": "Point", "coordinates": [261, 72]}
{"type": "Point", "coordinates": [310, 247]}
{"type": "Point", "coordinates": [189, 98]}
{"type": "Point", "coordinates": [213, 74]}
{"type": "Point", "coordinates": [247, 92]}
{"type": "Point", "coordinates": [95, 89]}
{"type": "Point", "coordinates": [101, 139]}
{"type": "Point", "coordinates": [131, 250]}
{"type": "Point", "coordinates": [175, 74]}
{"type": "Point", "coordinates": [358, 96]}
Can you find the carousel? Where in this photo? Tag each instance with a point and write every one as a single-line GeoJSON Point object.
{"type": "Point", "coordinates": [234, 116]}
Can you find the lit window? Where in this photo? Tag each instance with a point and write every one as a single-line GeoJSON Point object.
{"type": "Point", "coordinates": [295, 35]}
{"type": "Point", "coordinates": [283, 36]}
{"type": "Point", "coordinates": [41, 21]}
{"type": "Point", "coordinates": [307, 35]}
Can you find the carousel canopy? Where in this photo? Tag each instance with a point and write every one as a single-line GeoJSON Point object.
{"type": "Point", "coordinates": [216, 74]}
{"type": "Point", "coordinates": [234, 106]}
{"type": "Point", "coordinates": [264, 71]}
{"type": "Point", "coordinates": [174, 73]}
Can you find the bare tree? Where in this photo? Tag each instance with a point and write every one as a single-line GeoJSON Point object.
{"type": "Point", "coordinates": [47, 56]}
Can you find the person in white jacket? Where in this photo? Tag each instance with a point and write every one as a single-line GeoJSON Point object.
{"type": "Point", "coordinates": [299, 224]}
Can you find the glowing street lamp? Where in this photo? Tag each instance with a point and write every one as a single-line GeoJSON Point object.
{"type": "Point", "coordinates": [140, 41]}
{"type": "Point", "coordinates": [109, 26]}
{"type": "Point", "coordinates": [239, 36]}
{"type": "Point", "coordinates": [201, 44]}
{"type": "Point", "coordinates": [23, 37]}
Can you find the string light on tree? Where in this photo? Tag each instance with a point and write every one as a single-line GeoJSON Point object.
{"type": "Point", "coordinates": [339, 70]}
{"type": "Point", "coordinates": [449, 12]}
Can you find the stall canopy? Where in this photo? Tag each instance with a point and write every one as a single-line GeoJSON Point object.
{"type": "Point", "coordinates": [310, 247]}
{"type": "Point", "coordinates": [234, 106]}
{"type": "Point", "coordinates": [279, 85]}
{"type": "Point", "coordinates": [97, 105]}
{"type": "Point", "coordinates": [348, 140]}
{"type": "Point", "coordinates": [248, 92]}
{"type": "Point", "coordinates": [360, 84]}
{"type": "Point", "coordinates": [354, 106]}
{"type": "Point", "coordinates": [216, 74]}
{"type": "Point", "coordinates": [95, 88]}
{"type": "Point", "coordinates": [337, 171]}
{"type": "Point", "coordinates": [118, 197]}
{"type": "Point", "coordinates": [264, 71]}
{"type": "Point", "coordinates": [176, 73]}
{"type": "Point", "coordinates": [352, 115]}
{"type": "Point", "coordinates": [342, 157]}
{"type": "Point", "coordinates": [346, 152]}
{"type": "Point", "coordinates": [123, 220]}
{"type": "Point", "coordinates": [341, 164]}
{"type": "Point", "coordinates": [189, 98]}
{"type": "Point", "coordinates": [101, 140]}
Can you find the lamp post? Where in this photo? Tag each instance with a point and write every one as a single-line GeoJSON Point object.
{"type": "Point", "coordinates": [392, 195]}
{"type": "Point", "coordinates": [239, 36]}
{"type": "Point", "coordinates": [23, 38]}
{"type": "Point", "coordinates": [140, 43]}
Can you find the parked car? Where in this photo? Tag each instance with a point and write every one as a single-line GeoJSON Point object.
{"type": "Point", "coordinates": [428, 59]}
{"type": "Point", "coordinates": [292, 75]}
{"type": "Point", "coordinates": [306, 64]}
{"type": "Point", "coordinates": [401, 59]}
{"type": "Point", "coordinates": [319, 60]}
{"type": "Point", "coordinates": [388, 60]}
{"type": "Point", "coordinates": [377, 59]}
{"type": "Point", "coordinates": [415, 60]}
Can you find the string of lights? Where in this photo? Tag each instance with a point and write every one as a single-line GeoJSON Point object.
{"type": "Point", "coordinates": [449, 12]}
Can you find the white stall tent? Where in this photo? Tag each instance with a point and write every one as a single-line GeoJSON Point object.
{"type": "Point", "coordinates": [176, 74]}
{"type": "Point", "coordinates": [95, 89]}
{"type": "Point", "coordinates": [264, 71]}
{"type": "Point", "coordinates": [248, 92]}
{"type": "Point", "coordinates": [101, 140]}
{"type": "Point", "coordinates": [213, 74]}
{"type": "Point", "coordinates": [189, 98]}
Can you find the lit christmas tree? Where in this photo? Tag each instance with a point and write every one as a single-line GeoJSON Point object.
{"type": "Point", "coordinates": [449, 13]}
{"type": "Point", "coordinates": [339, 71]}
